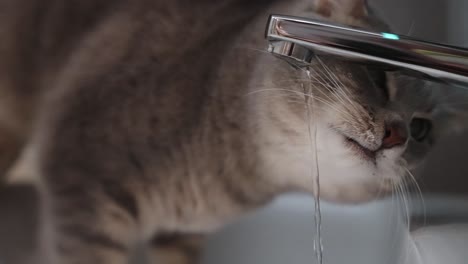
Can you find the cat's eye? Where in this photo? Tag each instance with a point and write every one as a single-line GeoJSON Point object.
{"type": "Point", "coordinates": [420, 128]}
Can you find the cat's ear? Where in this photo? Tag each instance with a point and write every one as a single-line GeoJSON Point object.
{"type": "Point", "coordinates": [342, 10]}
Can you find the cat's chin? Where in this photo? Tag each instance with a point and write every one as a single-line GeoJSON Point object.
{"type": "Point", "coordinates": [359, 184]}
{"type": "Point", "coordinates": [350, 175]}
{"type": "Point", "coordinates": [346, 175]}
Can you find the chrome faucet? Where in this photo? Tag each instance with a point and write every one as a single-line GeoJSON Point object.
{"type": "Point", "coordinates": [299, 40]}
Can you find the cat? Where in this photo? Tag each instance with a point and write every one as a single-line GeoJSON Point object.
{"type": "Point", "coordinates": [161, 121]}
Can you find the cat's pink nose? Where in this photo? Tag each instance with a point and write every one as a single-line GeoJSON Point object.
{"type": "Point", "coordinates": [396, 134]}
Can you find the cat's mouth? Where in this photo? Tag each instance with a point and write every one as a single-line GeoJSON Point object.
{"type": "Point", "coordinates": [362, 151]}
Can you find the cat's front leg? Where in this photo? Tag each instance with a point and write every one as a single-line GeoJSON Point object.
{"type": "Point", "coordinates": [90, 231]}
{"type": "Point", "coordinates": [176, 249]}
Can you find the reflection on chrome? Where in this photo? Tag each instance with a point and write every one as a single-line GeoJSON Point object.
{"type": "Point", "coordinates": [299, 39]}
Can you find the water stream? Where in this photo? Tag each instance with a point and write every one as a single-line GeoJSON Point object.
{"type": "Point", "coordinates": [315, 175]}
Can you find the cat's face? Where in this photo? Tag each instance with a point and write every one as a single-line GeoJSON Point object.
{"type": "Point", "coordinates": [370, 127]}
{"type": "Point", "coordinates": [373, 127]}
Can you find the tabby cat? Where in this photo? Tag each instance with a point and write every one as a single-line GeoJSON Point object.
{"type": "Point", "coordinates": [160, 121]}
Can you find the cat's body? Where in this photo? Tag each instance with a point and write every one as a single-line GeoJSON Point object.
{"type": "Point", "coordinates": [158, 120]}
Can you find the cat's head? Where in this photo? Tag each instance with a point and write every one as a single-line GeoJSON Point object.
{"type": "Point", "coordinates": [371, 127]}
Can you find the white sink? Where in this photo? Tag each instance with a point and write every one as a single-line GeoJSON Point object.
{"type": "Point", "coordinates": [283, 233]}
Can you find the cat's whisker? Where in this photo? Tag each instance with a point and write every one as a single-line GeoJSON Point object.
{"type": "Point", "coordinates": [323, 80]}
{"type": "Point", "coordinates": [406, 213]}
{"type": "Point", "coordinates": [342, 111]}
{"type": "Point", "coordinates": [272, 89]}
{"type": "Point", "coordinates": [327, 72]}
{"type": "Point", "coordinates": [332, 77]}
{"type": "Point", "coordinates": [354, 106]}
{"type": "Point", "coordinates": [339, 98]}
{"type": "Point", "coordinates": [290, 94]}
{"type": "Point", "coordinates": [419, 191]}
{"type": "Point", "coordinates": [399, 198]}
{"type": "Point", "coordinates": [392, 191]}
{"type": "Point", "coordinates": [339, 85]}
{"type": "Point", "coordinates": [349, 113]}
{"type": "Point", "coordinates": [396, 210]}
{"type": "Point", "coordinates": [405, 187]}
{"type": "Point", "coordinates": [330, 88]}
{"type": "Point", "coordinates": [405, 192]}
{"type": "Point", "coordinates": [298, 94]}
{"type": "Point", "coordinates": [326, 86]}
{"type": "Point", "coordinates": [346, 116]}
{"type": "Point", "coordinates": [282, 92]}
{"type": "Point", "coordinates": [324, 94]}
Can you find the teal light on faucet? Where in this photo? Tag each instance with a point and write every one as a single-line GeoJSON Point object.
{"type": "Point", "coordinates": [390, 36]}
